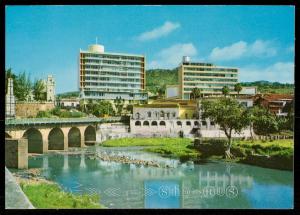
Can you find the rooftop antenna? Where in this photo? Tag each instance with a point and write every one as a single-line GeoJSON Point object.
{"type": "Point", "coordinates": [96, 40]}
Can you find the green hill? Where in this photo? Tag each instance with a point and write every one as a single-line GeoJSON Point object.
{"type": "Point", "coordinates": [159, 78]}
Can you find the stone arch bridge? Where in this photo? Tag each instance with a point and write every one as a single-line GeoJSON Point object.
{"type": "Point", "coordinates": [55, 134]}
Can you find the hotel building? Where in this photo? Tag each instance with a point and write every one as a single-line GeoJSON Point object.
{"type": "Point", "coordinates": [108, 76]}
{"type": "Point", "coordinates": [206, 76]}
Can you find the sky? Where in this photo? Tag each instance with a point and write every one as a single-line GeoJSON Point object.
{"type": "Point", "coordinates": [259, 40]}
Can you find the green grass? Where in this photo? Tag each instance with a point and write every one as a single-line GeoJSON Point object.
{"type": "Point", "coordinates": [44, 195]}
{"type": "Point", "coordinates": [283, 148]}
{"type": "Point", "coordinates": [181, 148]}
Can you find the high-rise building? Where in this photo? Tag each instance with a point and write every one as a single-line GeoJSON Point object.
{"type": "Point", "coordinates": [108, 76]}
{"type": "Point", "coordinates": [206, 76]}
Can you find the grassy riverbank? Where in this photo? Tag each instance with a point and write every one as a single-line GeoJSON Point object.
{"type": "Point", "coordinates": [276, 154]}
{"type": "Point", "coordinates": [181, 148]}
{"type": "Point", "coordinates": [50, 195]}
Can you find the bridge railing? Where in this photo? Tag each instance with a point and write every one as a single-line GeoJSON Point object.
{"type": "Point", "coordinates": [27, 121]}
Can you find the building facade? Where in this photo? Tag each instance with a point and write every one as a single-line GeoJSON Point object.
{"type": "Point", "coordinates": [108, 76]}
{"type": "Point", "coordinates": [170, 118]}
{"type": "Point", "coordinates": [206, 76]}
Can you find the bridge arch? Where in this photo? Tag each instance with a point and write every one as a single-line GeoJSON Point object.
{"type": "Point", "coordinates": [74, 137]}
{"type": "Point", "coordinates": [35, 140]}
{"type": "Point", "coordinates": [56, 139]}
{"type": "Point", "coordinates": [90, 135]}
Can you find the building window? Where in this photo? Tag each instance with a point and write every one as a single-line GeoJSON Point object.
{"type": "Point", "coordinates": [162, 123]}
{"type": "Point", "coordinates": [212, 123]}
{"type": "Point", "coordinates": [149, 114]}
{"type": "Point", "coordinates": [179, 123]}
{"type": "Point", "coordinates": [196, 123]}
{"type": "Point", "coordinates": [204, 123]}
{"type": "Point", "coordinates": [154, 123]}
{"type": "Point", "coordinates": [188, 123]}
{"type": "Point", "coordinates": [137, 123]}
{"type": "Point", "coordinates": [146, 123]}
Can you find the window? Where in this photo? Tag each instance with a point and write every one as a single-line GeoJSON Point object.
{"type": "Point", "coordinates": [188, 123]}
{"type": "Point", "coordinates": [162, 123]}
{"type": "Point", "coordinates": [149, 114]}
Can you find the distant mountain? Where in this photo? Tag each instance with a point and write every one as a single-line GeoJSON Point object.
{"type": "Point", "coordinates": [68, 94]}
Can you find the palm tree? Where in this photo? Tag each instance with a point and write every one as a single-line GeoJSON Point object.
{"type": "Point", "coordinates": [225, 90]}
{"type": "Point", "coordinates": [39, 90]}
{"type": "Point", "coordinates": [238, 88]}
{"type": "Point", "coordinates": [196, 93]}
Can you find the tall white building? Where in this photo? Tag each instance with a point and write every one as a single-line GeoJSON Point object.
{"type": "Point", "coordinates": [108, 76]}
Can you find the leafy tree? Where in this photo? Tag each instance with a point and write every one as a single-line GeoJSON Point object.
{"type": "Point", "coordinates": [196, 93]}
{"type": "Point", "coordinates": [39, 89]}
{"type": "Point", "coordinates": [264, 122]}
{"type": "Point", "coordinates": [238, 88]}
{"type": "Point", "coordinates": [225, 90]}
{"type": "Point", "coordinates": [119, 104]}
{"type": "Point", "coordinates": [161, 91]}
{"type": "Point", "coordinates": [229, 115]}
{"type": "Point", "coordinates": [23, 87]}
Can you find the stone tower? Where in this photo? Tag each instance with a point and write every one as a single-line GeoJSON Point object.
{"type": "Point", "coordinates": [50, 88]}
{"type": "Point", "coordinates": [10, 101]}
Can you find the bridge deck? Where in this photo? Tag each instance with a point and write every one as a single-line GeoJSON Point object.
{"type": "Point", "coordinates": [47, 121]}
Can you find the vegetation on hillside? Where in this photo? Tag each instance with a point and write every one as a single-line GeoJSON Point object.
{"type": "Point", "coordinates": [72, 94]}
{"type": "Point", "coordinates": [157, 79]}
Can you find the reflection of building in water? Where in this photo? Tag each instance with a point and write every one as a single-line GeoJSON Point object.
{"type": "Point", "coordinates": [223, 180]}
{"type": "Point", "coordinates": [66, 162]}
{"type": "Point", "coordinates": [82, 160]}
{"type": "Point", "coordinates": [211, 184]}
{"type": "Point", "coordinates": [45, 162]}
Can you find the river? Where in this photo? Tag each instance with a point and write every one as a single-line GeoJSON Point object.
{"type": "Point", "coordinates": [212, 184]}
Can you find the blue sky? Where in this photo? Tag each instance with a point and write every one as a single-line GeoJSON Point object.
{"type": "Point", "coordinates": [259, 40]}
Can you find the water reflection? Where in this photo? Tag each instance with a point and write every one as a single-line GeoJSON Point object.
{"type": "Point", "coordinates": [211, 185]}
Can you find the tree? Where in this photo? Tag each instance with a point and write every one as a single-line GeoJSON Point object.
{"type": "Point", "coordinates": [264, 122]}
{"type": "Point", "coordinates": [119, 104]}
{"type": "Point", "coordinates": [39, 90]}
{"type": "Point", "coordinates": [229, 115]}
{"type": "Point", "coordinates": [161, 91]}
{"type": "Point", "coordinates": [196, 93]}
{"type": "Point", "coordinates": [238, 88]}
{"type": "Point", "coordinates": [23, 87]}
{"type": "Point", "coordinates": [225, 90]}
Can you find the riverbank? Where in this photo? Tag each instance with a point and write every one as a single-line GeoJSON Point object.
{"type": "Point", "coordinates": [181, 148]}
{"type": "Point", "coordinates": [275, 154]}
{"type": "Point", "coordinates": [43, 193]}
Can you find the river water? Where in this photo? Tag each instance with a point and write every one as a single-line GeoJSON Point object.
{"type": "Point", "coordinates": [184, 185]}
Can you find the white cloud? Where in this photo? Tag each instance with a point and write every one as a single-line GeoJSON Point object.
{"type": "Point", "coordinates": [258, 48]}
{"type": "Point", "coordinates": [280, 72]}
{"type": "Point", "coordinates": [172, 56]}
{"type": "Point", "coordinates": [161, 31]}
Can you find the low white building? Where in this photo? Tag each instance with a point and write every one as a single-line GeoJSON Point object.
{"type": "Point", "coordinates": [69, 103]}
